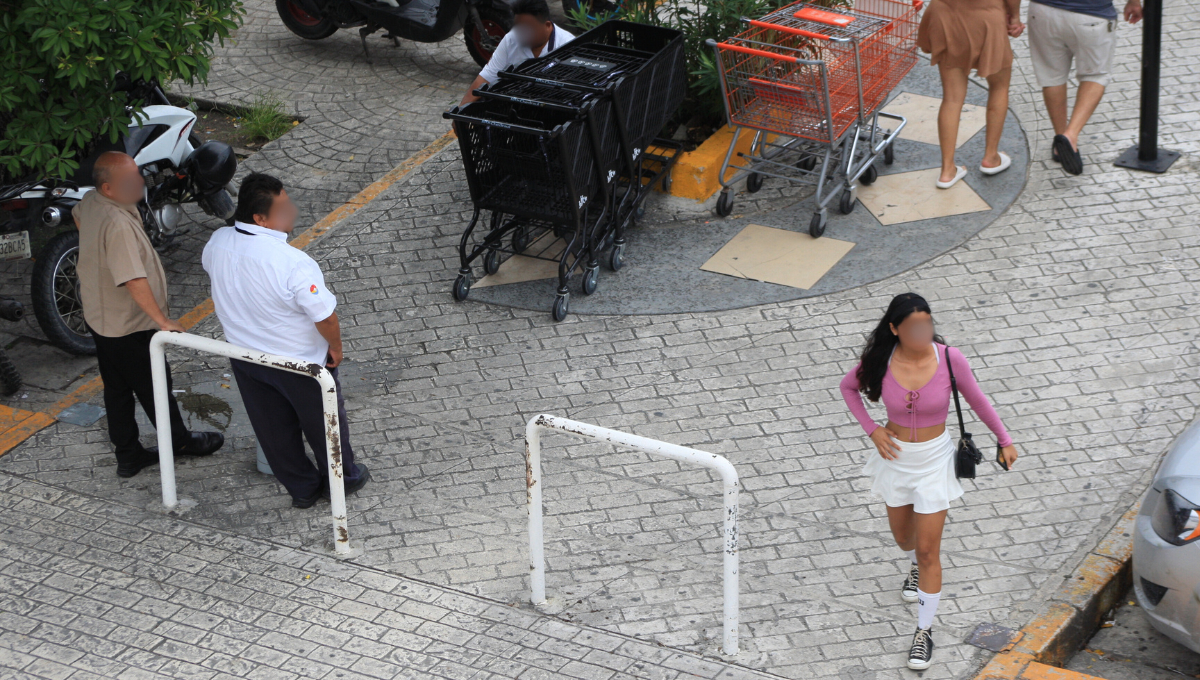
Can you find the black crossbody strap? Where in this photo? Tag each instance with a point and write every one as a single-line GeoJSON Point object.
{"type": "Point", "coordinates": [962, 430]}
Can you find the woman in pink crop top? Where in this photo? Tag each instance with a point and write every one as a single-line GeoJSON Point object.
{"type": "Point", "coordinates": [904, 364]}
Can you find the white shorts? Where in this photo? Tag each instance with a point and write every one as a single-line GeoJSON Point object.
{"type": "Point", "coordinates": [1057, 36]}
{"type": "Point", "coordinates": [921, 476]}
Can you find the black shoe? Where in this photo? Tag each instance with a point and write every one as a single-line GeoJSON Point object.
{"type": "Point", "coordinates": [1054, 155]}
{"type": "Point", "coordinates": [363, 475]}
{"type": "Point", "coordinates": [201, 444]}
{"type": "Point", "coordinates": [1071, 161]}
{"type": "Point", "coordinates": [920, 655]}
{"type": "Point", "coordinates": [306, 503]}
{"type": "Point", "coordinates": [136, 462]}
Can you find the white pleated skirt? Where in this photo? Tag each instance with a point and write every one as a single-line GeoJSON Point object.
{"type": "Point", "coordinates": [922, 475]}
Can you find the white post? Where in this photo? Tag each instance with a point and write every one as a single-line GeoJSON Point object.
{"type": "Point", "coordinates": [533, 484]}
{"type": "Point", "coordinates": [333, 440]}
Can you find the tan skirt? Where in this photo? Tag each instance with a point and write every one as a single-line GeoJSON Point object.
{"type": "Point", "coordinates": [966, 34]}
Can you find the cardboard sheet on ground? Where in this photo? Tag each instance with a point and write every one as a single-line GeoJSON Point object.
{"type": "Point", "coordinates": [787, 258]}
{"type": "Point", "coordinates": [912, 196]}
{"type": "Point", "coordinates": [922, 113]}
{"type": "Point", "coordinates": [519, 268]}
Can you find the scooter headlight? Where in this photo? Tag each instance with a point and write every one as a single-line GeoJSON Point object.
{"type": "Point", "coordinates": [1176, 519]}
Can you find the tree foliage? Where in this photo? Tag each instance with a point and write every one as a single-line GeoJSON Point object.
{"type": "Point", "coordinates": [59, 60]}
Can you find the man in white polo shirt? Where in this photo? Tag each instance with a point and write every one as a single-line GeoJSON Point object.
{"type": "Point", "coordinates": [532, 35]}
{"type": "Point", "coordinates": [272, 297]}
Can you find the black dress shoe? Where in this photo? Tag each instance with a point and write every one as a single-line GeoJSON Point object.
{"type": "Point", "coordinates": [136, 462]}
{"type": "Point", "coordinates": [201, 444]}
{"type": "Point", "coordinates": [363, 475]}
{"type": "Point", "coordinates": [306, 503]}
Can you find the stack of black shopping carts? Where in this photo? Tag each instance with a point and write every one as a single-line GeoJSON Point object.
{"type": "Point", "coordinates": [563, 151]}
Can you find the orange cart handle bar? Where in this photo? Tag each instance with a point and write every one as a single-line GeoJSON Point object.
{"type": "Point", "coordinates": [758, 53]}
{"type": "Point", "coordinates": [786, 29]}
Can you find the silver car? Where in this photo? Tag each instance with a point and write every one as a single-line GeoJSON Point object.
{"type": "Point", "coordinates": [1166, 544]}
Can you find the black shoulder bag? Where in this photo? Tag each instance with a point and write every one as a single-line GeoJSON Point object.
{"type": "Point", "coordinates": [967, 456]}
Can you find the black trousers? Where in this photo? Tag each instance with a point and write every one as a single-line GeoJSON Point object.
{"type": "Point", "coordinates": [125, 369]}
{"type": "Point", "coordinates": [284, 406]}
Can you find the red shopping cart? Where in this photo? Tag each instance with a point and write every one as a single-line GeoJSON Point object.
{"type": "Point", "coordinates": [810, 82]}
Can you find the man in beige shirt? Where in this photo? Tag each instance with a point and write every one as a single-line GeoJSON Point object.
{"type": "Point", "coordinates": [124, 293]}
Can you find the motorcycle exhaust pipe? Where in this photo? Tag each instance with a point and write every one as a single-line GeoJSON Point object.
{"type": "Point", "coordinates": [11, 310]}
{"type": "Point", "coordinates": [55, 215]}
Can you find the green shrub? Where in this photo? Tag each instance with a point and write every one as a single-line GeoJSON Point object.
{"type": "Point", "coordinates": [265, 119]}
{"type": "Point", "coordinates": [59, 60]}
{"type": "Point", "coordinates": [715, 19]}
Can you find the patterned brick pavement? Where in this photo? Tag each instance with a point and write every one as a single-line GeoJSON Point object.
{"type": "Point", "coordinates": [1078, 309]}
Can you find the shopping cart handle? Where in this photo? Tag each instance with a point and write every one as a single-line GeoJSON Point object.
{"type": "Point", "coordinates": [785, 29]}
{"type": "Point", "coordinates": [918, 4]}
{"type": "Point", "coordinates": [754, 52]}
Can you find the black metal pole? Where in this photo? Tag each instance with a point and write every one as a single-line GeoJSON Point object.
{"type": "Point", "coordinates": [1146, 155]}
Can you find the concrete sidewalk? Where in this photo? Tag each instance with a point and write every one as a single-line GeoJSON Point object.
{"type": "Point", "coordinates": [1078, 311]}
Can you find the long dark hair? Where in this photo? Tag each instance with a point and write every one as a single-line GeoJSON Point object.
{"type": "Point", "coordinates": [882, 341]}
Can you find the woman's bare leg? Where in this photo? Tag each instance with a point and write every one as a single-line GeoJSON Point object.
{"type": "Point", "coordinates": [903, 530]}
{"type": "Point", "coordinates": [928, 530]}
{"type": "Point", "coordinates": [997, 109]}
{"type": "Point", "coordinates": [954, 95]}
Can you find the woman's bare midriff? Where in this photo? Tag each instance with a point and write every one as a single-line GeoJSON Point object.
{"type": "Point", "coordinates": [924, 434]}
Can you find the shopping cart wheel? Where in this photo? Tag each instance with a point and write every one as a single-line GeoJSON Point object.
{"type": "Point", "coordinates": [816, 227]}
{"type": "Point", "coordinates": [462, 287]}
{"type": "Point", "coordinates": [560, 308]}
{"type": "Point", "coordinates": [868, 178]}
{"type": "Point", "coordinates": [616, 257]}
{"type": "Point", "coordinates": [889, 154]}
{"type": "Point", "coordinates": [640, 212]}
{"type": "Point", "coordinates": [847, 202]}
{"type": "Point", "coordinates": [725, 203]}
{"type": "Point", "coordinates": [808, 163]}
{"type": "Point", "coordinates": [491, 261]}
{"type": "Point", "coordinates": [520, 239]}
{"type": "Point", "coordinates": [666, 183]}
{"type": "Point", "coordinates": [591, 277]}
{"type": "Point", "coordinates": [754, 182]}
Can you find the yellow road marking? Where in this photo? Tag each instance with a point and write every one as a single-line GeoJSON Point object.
{"type": "Point", "coordinates": [16, 425]}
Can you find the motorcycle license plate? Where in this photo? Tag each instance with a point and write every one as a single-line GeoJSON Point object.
{"type": "Point", "coordinates": [14, 246]}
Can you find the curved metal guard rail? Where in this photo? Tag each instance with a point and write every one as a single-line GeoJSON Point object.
{"type": "Point", "coordinates": [533, 484]}
{"type": "Point", "coordinates": [333, 441]}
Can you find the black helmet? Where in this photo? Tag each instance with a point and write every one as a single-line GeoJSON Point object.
{"type": "Point", "coordinates": [211, 167]}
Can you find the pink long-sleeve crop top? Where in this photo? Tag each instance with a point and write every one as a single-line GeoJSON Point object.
{"type": "Point", "coordinates": [929, 405]}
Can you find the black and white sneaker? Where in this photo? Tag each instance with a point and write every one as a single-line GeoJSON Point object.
{"type": "Point", "coordinates": [920, 655]}
{"type": "Point", "coordinates": [908, 592]}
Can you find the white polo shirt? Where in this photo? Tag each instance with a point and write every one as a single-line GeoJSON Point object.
{"type": "Point", "coordinates": [510, 51]}
{"type": "Point", "coordinates": [267, 294]}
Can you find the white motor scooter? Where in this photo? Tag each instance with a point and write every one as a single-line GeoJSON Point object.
{"type": "Point", "coordinates": [177, 169]}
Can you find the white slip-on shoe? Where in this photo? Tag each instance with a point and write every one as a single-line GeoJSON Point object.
{"type": "Point", "coordinates": [961, 172]}
{"type": "Point", "coordinates": [1005, 162]}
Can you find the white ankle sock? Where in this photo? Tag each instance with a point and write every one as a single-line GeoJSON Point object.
{"type": "Point", "coordinates": [912, 555]}
{"type": "Point", "coordinates": [927, 604]}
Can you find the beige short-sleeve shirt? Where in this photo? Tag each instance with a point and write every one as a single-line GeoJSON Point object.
{"type": "Point", "coordinates": [113, 250]}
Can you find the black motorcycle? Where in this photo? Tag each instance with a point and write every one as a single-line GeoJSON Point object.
{"type": "Point", "coordinates": [483, 22]}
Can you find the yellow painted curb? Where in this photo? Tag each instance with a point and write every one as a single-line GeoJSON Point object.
{"type": "Point", "coordinates": [694, 175]}
{"type": "Point", "coordinates": [1067, 621]}
{"type": "Point", "coordinates": [24, 424]}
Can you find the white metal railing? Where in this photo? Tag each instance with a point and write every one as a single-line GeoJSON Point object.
{"type": "Point", "coordinates": [533, 484]}
{"type": "Point", "coordinates": [333, 440]}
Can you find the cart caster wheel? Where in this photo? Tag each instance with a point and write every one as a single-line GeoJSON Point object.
{"type": "Point", "coordinates": [847, 202]}
{"type": "Point", "coordinates": [808, 163]}
{"type": "Point", "coordinates": [640, 212]}
{"type": "Point", "coordinates": [590, 280]}
{"type": "Point", "coordinates": [868, 178]}
{"type": "Point", "coordinates": [560, 308]}
{"type": "Point", "coordinates": [725, 204]}
{"type": "Point", "coordinates": [491, 261]}
{"type": "Point", "coordinates": [666, 183]}
{"type": "Point", "coordinates": [520, 240]}
{"type": "Point", "coordinates": [754, 182]}
{"type": "Point", "coordinates": [816, 227]}
{"type": "Point", "coordinates": [616, 257]}
{"type": "Point", "coordinates": [889, 154]}
{"type": "Point", "coordinates": [462, 287]}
